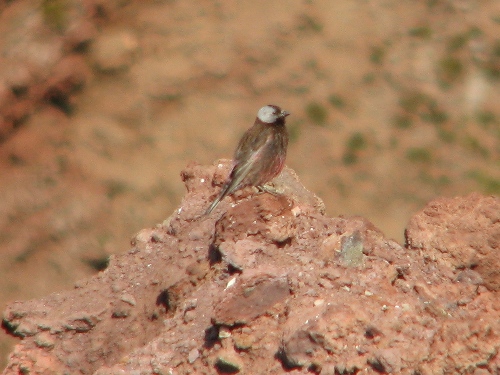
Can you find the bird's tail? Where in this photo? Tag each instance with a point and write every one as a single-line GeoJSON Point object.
{"type": "Point", "coordinates": [234, 183]}
{"type": "Point", "coordinates": [221, 196]}
{"type": "Point", "coordinates": [213, 205]}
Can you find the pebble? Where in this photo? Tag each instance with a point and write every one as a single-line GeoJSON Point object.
{"type": "Point", "coordinates": [193, 355]}
{"type": "Point", "coordinates": [128, 298]}
{"type": "Point", "coordinates": [44, 340]}
{"type": "Point", "coordinates": [227, 365]}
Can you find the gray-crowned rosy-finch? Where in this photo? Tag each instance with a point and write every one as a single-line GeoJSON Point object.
{"type": "Point", "coordinates": [260, 155]}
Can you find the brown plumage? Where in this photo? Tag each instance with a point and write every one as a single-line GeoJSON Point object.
{"type": "Point", "coordinates": [260, 155]}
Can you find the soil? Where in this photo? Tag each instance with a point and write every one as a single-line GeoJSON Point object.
{"type": "Point", "coordinates": [102, 104]}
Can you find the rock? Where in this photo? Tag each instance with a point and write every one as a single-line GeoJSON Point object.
{"type": "Point", "coordinates": [489, 270]}
{"type": "Point", "coordinates": [44, 340]}
{"type": "Point", "coordinates": [69, 75]}
{"type": "Point", "coordinates": [351, 253]}
{"type": "Point", "coordinates": [386, 361]}
{"type": "Point", "coordinates": [114, 51]}
{"type": "Point", "coordinates": [228, 363]}
{"type": "Point", "coordinates": [240, 254]}
{"type": "Point", "coordinates": [79, 34]}
{"type": "Point", "coordinates": [128, 298]}
{"type": "Point", "coordinates": [227, 293]}
{"type": "Point", "coordinates": [193, 355]}
{"type": "Point", "coordinates": [253, 294]}
{"type": "Point", "coordinates": [38, 66]}
{"type": "Point", "coordinates": [462, 233]}
{"type": "Point", "coordinates": [244, 341]}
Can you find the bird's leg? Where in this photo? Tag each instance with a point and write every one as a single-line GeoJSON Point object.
{"type": "Point", "coordinates": [271, 189]}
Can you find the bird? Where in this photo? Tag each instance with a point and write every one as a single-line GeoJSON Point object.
{"type": "Point", "coordinates": [260, 154]}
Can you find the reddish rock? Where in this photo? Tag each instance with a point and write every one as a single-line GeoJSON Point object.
{"type": "Point", "coordinates": [42, 62]}
{"type": "Point", "coordinates": [268, 284]}
{"type": "Point", "coordinates": [70, 74]}
{"type": "Point", "coordinates": [461, 233]}
{"type": "Point", "coordinates": [251, 295]}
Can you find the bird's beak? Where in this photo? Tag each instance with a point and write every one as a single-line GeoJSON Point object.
{"type": "Point", "coordinates": [284, 114]}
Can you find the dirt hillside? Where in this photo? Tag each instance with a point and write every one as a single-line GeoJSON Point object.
{"type": "Point", "coordinates": [103, 103]}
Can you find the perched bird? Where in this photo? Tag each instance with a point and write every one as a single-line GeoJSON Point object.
{"type": "Point", "coordinates": [260, 155]}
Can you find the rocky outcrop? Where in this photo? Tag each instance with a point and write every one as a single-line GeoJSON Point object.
{"type": "Point", "coordinates": [267, 284]}
{"type": "Point", "coordinates": [461, 233]}
{"type": "Point", "coordinates": [46, 61]}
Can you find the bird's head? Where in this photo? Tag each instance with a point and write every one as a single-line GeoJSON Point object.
{"type": "Point", "coordinates": [271, 114]}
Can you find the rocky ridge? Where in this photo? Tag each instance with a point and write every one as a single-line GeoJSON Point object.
{"type": "Point", "coordinates": [269, 284]}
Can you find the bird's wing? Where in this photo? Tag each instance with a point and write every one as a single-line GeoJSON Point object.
{"type": "Point", "coordinates": [252, 142]}
{"type": "Point", "coordinates": [246, 160]}
{"type": "Point", "coordinates": [240, 171]}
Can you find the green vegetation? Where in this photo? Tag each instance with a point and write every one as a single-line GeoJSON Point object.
{"type": "Point", "coordinates": [486, 118]}
{"type": "Point", "coordinates": [475, 146]}
{"type": "Point", "coordinates": [415, 104]}
{"type": "Point", "coordinates": [446, 135]}
{"type": "Point", "coordinates": [434, 115]}
{"type": "Point", "coordinates": [423, 32]}
{"type": "Point", "coordinates": [488, 184]}
{"type": "Point", "coordinates": [419, 155]}
{"type": "Point", "coordinates": [311, 64]}
{"type": "Point", "coordinates": [16, 160]}
{"type": "Point", "coordinates": [293, 131]}
{"type": "Point", "coordinates": [115, 188]}
{"type": "Point", "coordinates": [411, 101]}
{"type": "Point", "coordinates": [368, 78]}
{"type": "Point", "coordinates": [54, 13]}
{"type": "Point", "coordinates": [475, 32]}
{"type": "Point", "coordinates": [316, 113]}
{"type": "Point", "coordinates": [27, 252]}
{"type": "Point", "coordinates": [355, 144]}
{"type": "Point", "coordinates": [492, 67]}
{"type": "Point", "coordinates": [300, 90]}
{"type": "Point", "coordinates": [349, 158]}
{"type": "Point", "coordinates": [49, 181]}
{"type": "Point", "coordinates": [62, 163]}
{"type": "Point", "coordinates": [450, 69]}
{"type": "Point", "coordinates": [459, 41]}
{"type": "Point", "coordinates": [308, 23]}
{"type": "Point", "coordinates": [377, 55]}
{"type": "Point", "coordinates": [432, 3]}
{"type": "Point", "coordinates": [403, 121]}
{"type": "Point", "coordinates": [437, 182]}
{"type": "Point", "coordinates": [337, 101]}
{"type": "Point", "coordinates": [339, 185]}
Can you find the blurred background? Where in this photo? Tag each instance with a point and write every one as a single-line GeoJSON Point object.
{"type": "Point", "coordinates": [103, 103]}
